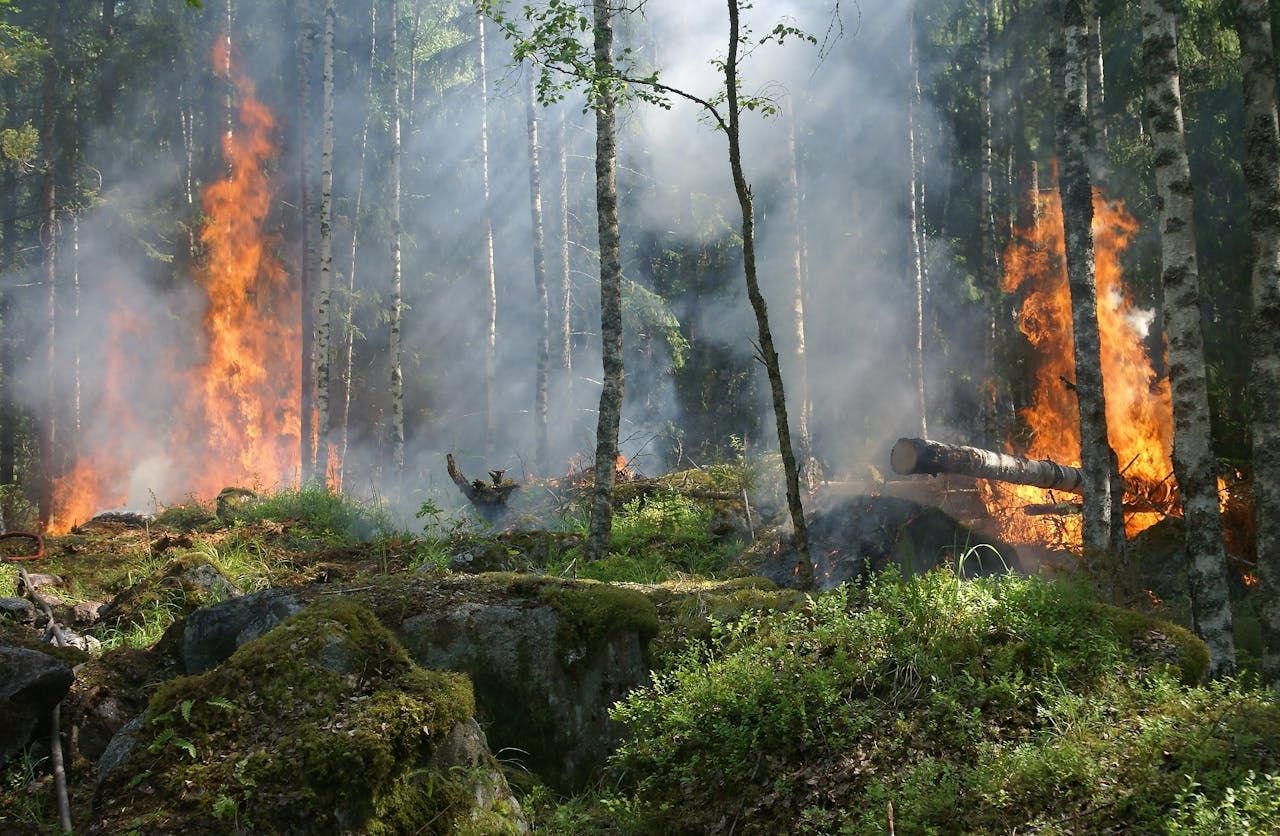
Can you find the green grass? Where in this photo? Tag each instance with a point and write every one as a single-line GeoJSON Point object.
{"type": "Point", "coordinates": [333, 519]}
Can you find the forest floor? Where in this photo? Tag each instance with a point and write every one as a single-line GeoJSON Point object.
{"type": "Point", "coordinates": [921, 704]}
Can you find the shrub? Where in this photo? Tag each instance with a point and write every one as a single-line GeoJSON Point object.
{"type": "Point", "coordinates": [987, 705]}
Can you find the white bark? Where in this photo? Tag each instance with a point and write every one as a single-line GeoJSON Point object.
{"type": "Point", "coordinates": [1193, 461]}
{"type": "Point", "coordinates": [397, 301]}
{"type": "Point", "coordinates": [1262, 180]}
{"type": "Point", "coordinates": [325, 290]}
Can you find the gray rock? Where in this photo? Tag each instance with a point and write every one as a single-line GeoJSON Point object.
{"type": "Point", "coordinates": [86, 613]}
{"type": "Point", "coordinates": [87, 643]}
{"type": "Point", "coordinates": [213, 633]}
{"type": "Point", "coordinates": [546, 702]}
{"type": "Point", "coordinates": [120, 747]}
{"type": "Point", "coordinates": [39, 581]}
{"type": "Point", "coordinates": [206, 578]}
{"type": "Point", "coordinates": [31, 684]}
{"type": "Point", "coordinates": [18, 609]}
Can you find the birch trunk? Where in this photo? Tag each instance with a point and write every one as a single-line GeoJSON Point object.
{"type": "Point", "coordinates": [1262, 180]}
{"type": "Point", "coordinates": [491, 320]}
{"type": "Point", "coordinates": [917, 243]}
{"type": "Point", "coordinates": [1193, 462]}
{"type": "Point", "coordinates": [987, 269]}
{"type": "Point", "coordinates": [609, 415]}
{"type": "Point", "coordinates": [804, 567]}
{"type": "Point", "coordinates": [349, 331]}
{"type": "Point", "coordinates": [325, 290]}
{"type": "Point", "coordinates": [48, 240]}
{"type": "Point", "coordinates": [1097, 88]}
{"type": "Point", "coordinates": [397, 302]}
{"type": "Point", "coordinates": [306, 279]}
{"type": "Point", "coordinates": [541, 455]}
{"type": "Point", "coordinates": [1077, 213]}
{"type": "Point", "coordinates": [9, 237]}
{"type": "Point", "coordinates": [809, 465]}
{"type": "Point", "coordinates": [566, 275]}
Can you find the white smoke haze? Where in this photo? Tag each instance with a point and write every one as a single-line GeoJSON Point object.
{"type": "Point", "coordinates": [848, 100]}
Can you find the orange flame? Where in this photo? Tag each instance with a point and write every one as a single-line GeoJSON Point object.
{"type": "Point", "coordinates": [1139, 408]}
{"type": "Point", "coordinates": [237, 419]}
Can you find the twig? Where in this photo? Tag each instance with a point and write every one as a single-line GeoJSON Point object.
{"type": "Point", "coordinates": [55, 733]}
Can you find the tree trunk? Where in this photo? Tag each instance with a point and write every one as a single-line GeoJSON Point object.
{"type": "Point", "coordinates": [48, 239]}
{"type": "Point", "coordinates": [491, 321]}
{"type": "Point", "coordinates": [397, 301]}
{"type": "Point", "coordinates": [1077, 213]}
{"type": "Point", "coordinates": [1097, 89]}
{"type": "Point", "coordinates": [609, 415]}
{"type": "Point", "coordinates": [804, 567]}
{"type": "Point", "coordinates": [566, 275]}
{"type": "Point", "coordinates": [809, 464]}
{"type": "Point", "coordinates": [542, 455]}
{"type": "Point", "coordinates": [306, 281]}
{"type": "Point", "coordinates": [987, 268]}
{"type": "Point", "coordinates": [1262, 180]}
{"type": "Point", "coordinates": [107, 64]}
{"type": "Point", "coordinates": [325, 290]}
{"type": "Point", "coordinates": [349, 330]}
{"type": "Point", "coordinates": [916, 455]}
{"type": "Point", "coordinates": [1193, 461]}
{"type": "Point", "coordinates": [917, 238]}
{"type": "Point", "coordinates": [8, 264]}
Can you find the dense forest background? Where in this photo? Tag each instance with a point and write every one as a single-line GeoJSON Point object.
{"type": "Point", "coordinates": [114, 115]}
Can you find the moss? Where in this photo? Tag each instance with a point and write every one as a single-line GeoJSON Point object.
{"type": "Point", "coordinates": [317, 721]}
{"type": "Point", "coordinates": [591, 613]}
{"type": "Point", "coordinates": [1154, 640]}
{"type": "Point", "coordinates": [16, 634]}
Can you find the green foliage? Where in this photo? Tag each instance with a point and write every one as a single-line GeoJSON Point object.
{"type": "Point", "coordinates": [1252, 806]}
{"type": "Point", "coordinates": [657, 536]}
{"type": "Point", "coordinates": [989, 705]}
{"type": "Point", "coordinates": [317, 512]}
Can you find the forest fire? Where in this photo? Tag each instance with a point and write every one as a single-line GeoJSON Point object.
{"type": "Point", "coordinates": [1139, 409]}
{"type": "Point", "coordinates": [234, 408]}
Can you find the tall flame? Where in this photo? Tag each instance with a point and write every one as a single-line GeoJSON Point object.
{"type": "Point", "coordinates": [1139, 408]}
{"type": "Point", "coordinates": [234, 411]}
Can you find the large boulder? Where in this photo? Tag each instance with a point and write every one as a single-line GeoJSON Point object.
{"type": "Point", "coordinates": [323, 725]}
{"type": "Point", "coordinates": [547, 657]}
{"type": "Point", "coordinates": [855, 536]}
{"type": "Point", "coordinates": [31, 684]}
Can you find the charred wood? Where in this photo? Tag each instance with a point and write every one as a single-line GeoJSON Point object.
{"type": "Point", "coordinates": [917, 455]}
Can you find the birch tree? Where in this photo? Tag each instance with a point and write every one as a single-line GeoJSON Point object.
{"type": "Point", "coordinates": [325, 289]}
{"type": "Point", "coordinates": [987, 267]}
{"type": "Point", "coordinates": [491, 318]}
{"type": "Point", "coordinates": [1192, 450]}
{"type": "Point", "coordinates": [1262, 181]}
{"type": "Point", "coordinates": [397, 301]}
{"type": "Point", "coordinates": [306, 281]}
{"type": "Point", "coordinates": [914, 224]}
{"type": "Point", "coordinates": [349, 330]}
{"type": "Point", "coordinates": [543, 361]}
{"type": "Point", "coordinates": [49, 246]}
{"type": "Point", "coordinates": [809, 465]}
{"type": "Point", "coordinates": [1077, 214]}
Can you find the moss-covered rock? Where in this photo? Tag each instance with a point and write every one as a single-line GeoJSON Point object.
{"type": "Point", "coordinates": [547, 657]}
{"type": "Point", "coordinates": [322, 725]}
{"type": "Point", "coordinates": [186, 583]}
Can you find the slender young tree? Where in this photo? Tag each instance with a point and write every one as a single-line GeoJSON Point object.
{"type": "Point", "coordinates": [1077, 213]}
{"type": "Point", "coordinates": [809, 465]}
{"type": "Point", "coordinates": [988, 269]}
{"type": "Point", "coordinates": [804, 566]}
{"type": "Point", "coordinates": [491, 319]}
{"type": "Point", "coordinates": [1193, 461]}
{"type": "Point", "coordinates": [609, 415]}
{"type": "Point", "coordinates": [349, 331]}
{"type": "Point", "coordinates": [566, 267]}
{"type": "Point", "coordinates": [397, 301]}
{"type": "Point", "coordinates": [324, 291]}
{"type": "Point", "coordinates": [543, 362]}
{"type": "Point", "coordinates": [49, 245]}
{"type": "Point", "coordinates": [1096, 79]}
{"type": "Point", "coordinates": [1262, 181]}
{"type": "Point", "coordinates": [914, 219]}
{"type": "Point", "coordinates": [306, 31]}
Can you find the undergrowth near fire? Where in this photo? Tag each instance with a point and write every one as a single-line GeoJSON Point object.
{"type": "Point", "coordinates": [951, 704]}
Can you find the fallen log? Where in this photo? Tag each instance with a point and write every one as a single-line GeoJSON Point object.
{"type": "Point", "coordinates": [917, 455]}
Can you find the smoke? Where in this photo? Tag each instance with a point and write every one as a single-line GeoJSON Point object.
{"type": "Point", "coordinates": [138, 327]}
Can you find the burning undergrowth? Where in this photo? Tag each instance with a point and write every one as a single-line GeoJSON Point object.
{"type": "Point", "coordinates": [230, 397]}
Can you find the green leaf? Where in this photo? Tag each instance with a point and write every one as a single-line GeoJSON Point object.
{"type": "Point", "coordinates": [186, 709]}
